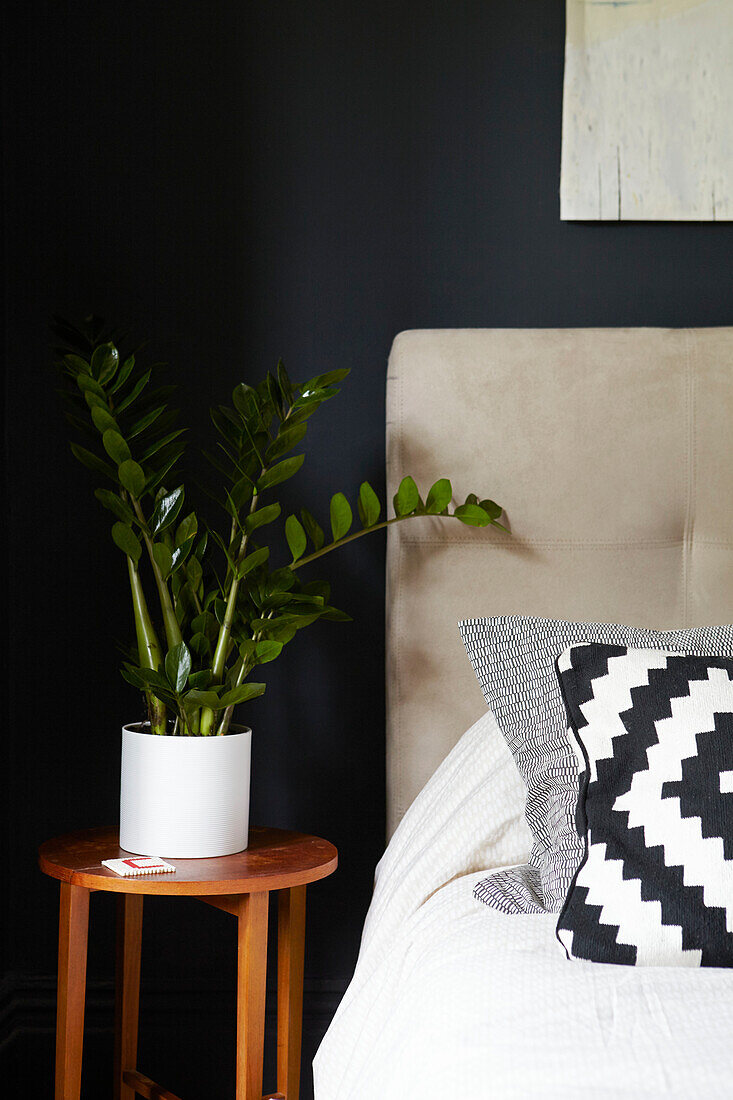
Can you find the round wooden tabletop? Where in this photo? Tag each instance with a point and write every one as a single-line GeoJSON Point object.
{"type": "Point", "coordinates": [275, 860]}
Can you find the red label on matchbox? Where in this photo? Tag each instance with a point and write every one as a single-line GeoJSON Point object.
{"type": "Point", "coordinates": [138, 865]}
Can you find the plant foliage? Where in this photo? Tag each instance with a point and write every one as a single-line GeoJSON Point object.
{"type": "Point", "coordinates": [226, 601]}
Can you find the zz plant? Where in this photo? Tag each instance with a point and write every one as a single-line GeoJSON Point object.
{"type": "Point", "coordinates": [226, 601]}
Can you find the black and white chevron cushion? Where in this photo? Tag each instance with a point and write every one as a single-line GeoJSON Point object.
{"type": "Point", "coordinates": [655, 886]}
{"type": "Point", "coordinates": [514, 658]}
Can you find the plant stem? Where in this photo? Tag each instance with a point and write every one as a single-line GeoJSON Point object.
{"type": "Point", "coordinates": [148, 647]}
{"type": "Point", "coordinates": [367, 531]}
{"type": "Point", "coordinates": [172, 629]}
{"type": "Point", "coordinates": [350, 538]}
{"type": "Point", "coordinates": [225, 630]}
{"type": "Point", "coordinates": [244, 670]}
{"type": "Point", "coordinates": [220, 653]}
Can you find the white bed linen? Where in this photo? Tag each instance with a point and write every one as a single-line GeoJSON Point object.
{"type": "Point", "coordinates": [469, 815]}
{"type": "Point", "coordinates": [453, 999]}
{"type": "Point", "coordinates": [464, 1001]}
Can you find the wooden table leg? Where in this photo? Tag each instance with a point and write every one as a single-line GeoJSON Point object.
{"type": "Point", "coordinates": [290, 952]}
{"type": "Point", "coordinates": [127, 990]}
{"type": "Point", "coordinates": [251, 986]}
{"type": "Point", "coordinates": [73, 933]}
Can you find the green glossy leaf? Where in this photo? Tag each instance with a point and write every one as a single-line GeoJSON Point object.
{"type": "Point", "coordinates": [93, 400]}
{"type": "Point", "coordinates": [151, 677]}
{"type": "Point", "coordinates": [275, 395]}
{"type": "Point", "coordinates": [77, 363]}
{"type": "Point", "coordinates": [341, 516]}
{"type": "Point", "coordinates": [90, 385]}
{"type": "Point", "coordinates": [267, 650]}
{"type": "Point", "coordinates": [194, 572]}
{"type": "Point", "coordinates": [295, 535]}
{"type": "Point", "coordinates": [275, 601]}
{"type": "Point", "coordinates": [323, 381]}
{"type": "Point", "coordinates": [262, 516]}
{"type": "Point", "coordinates": [241, 493]}
{"type": "Point", "coordinates": [131, 675]}
{"type": "Point", "coordinates": [439, 497]}
{"type": "Point", "coordinates": [178, 666]}
{"type": "Point", "coordinates": [200, 680]}
{"type": "Point", "coordinates": [145, 421]}
{"type": "Point", "coordinates": [134, 393]}
{"type": "Point", "coordinates": [103, 420]}
{"type": "Point", "coordinates": [181, 553]}
{"type": "Point", "coordinates": [92, 462]}
{"type": "Point", "coordinates": [163, 558]}
{"type": "Point", "coordinates": [201, 646]}
{"type": "Point", "coordinates": [201, 546]}
{"type": "Point", "coordinates": [407, 498]}
{"type": "Point", "coordinates": [194, 699]}
{"type": "Point", "coordinates": [245, 401]}
{"type": "Point", "coordinates": [286, 388]}
{"type": "Point", "coordinates": [158, 444]}
{"type": "Point", "coordinates": [167, 466]}
{"type": "Point", "coordinates": [115, 446]}
{"type": "Point", "coordinates": [225, 549]}
{"type": "Point", "coordinates": [116, 505]}
{"type": "Point", "coordinates": [206, 623]}
{"type": "Point", "coordinates": [252, 561]}
{"type": "Point", "coordinates": [369, 506]}
{"type": "Point", "coordinates": [128, 542]}
{"type": "Point", "coordinates": [105, 360]}
{"type": "Point", "coordinates": [166, 510]}
{"type": "Point", "coordinates": [305, 598]}
{"type": "Point", "coordinates": [242, 694]}
{"type": "Point", "coordinates": [146, 679]}
{"type": "Point", "coordinates": [312, 528]}
{"type": "Point", "coordinates": [280, 472]}
{"type": "Point", "coordinates": [123, 374]}
{"type": "Point", "coordinates": [297, 617]}
{"type": "Point", "coordinates": [318, 588]}
{"type": "Point", "coordinates": [274, 629]}
{"type": "Point", "coordinates": [335, 615]}
{"type": "Point", "coordinates": [285, 441]}
{"type": "Point", "coordinates": [472, 515]}
{"type": "Point", "coordinates": [492, 509]}
{"type": "Point", "coordinates": [281, 580]}
{"type": "Point", "coordinates": [226, 423]}
{"type": "Point", "coordinates": [302, 411]}
{"type": "Point", "coordinates": [186, 528]}
{"type": "Point", "coordinates": [132, 477]}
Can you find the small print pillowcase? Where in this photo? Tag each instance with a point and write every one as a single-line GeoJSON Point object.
{"type": "Point", "coordinates": [514, 659]}
{"type": "Point", "coordinates": [655, 730]}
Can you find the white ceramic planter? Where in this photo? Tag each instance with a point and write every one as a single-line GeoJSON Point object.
{"type": "Point", "coordinates": [184, 797]}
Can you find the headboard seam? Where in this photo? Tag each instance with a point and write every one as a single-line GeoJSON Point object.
{"type": "Point", "coordinates": [690, 411]}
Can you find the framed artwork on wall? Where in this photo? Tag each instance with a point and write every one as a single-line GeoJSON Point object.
{"type": "Point", "coordinates": [647, 116]}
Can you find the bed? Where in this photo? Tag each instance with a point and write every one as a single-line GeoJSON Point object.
{"type": "Point", "coordinates": [611, 451]}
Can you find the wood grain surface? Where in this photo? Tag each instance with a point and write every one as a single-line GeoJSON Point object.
{"type": "Point", "coordinates": [276, 859]}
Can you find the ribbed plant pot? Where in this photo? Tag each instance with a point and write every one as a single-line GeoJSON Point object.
{"type": "Point", "coordinates": [184, 797]}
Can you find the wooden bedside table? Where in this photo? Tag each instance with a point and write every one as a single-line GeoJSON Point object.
{"type": "Point", "coordinates": [276, 860]}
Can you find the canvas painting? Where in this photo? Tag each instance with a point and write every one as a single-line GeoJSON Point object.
{"type": "Point", "coordinates": [648, 111]}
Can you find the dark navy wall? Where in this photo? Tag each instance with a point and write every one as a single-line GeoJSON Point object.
{"type": "Point", "coordinates": [238, 182]}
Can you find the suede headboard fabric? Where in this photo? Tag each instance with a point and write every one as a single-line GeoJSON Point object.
{"type": "Point", "coordinates": [611, 451]}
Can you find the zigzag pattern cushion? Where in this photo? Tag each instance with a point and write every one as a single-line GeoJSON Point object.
{"type": "Point", "coordinates": [655, 729]}
{"type": "Point", "coordinates": [514, 659]}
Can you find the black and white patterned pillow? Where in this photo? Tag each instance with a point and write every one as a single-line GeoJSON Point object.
{"type": "Point", "coordinates": [514, 658]}
{"type": "Point", "coordinates": [655, 886]}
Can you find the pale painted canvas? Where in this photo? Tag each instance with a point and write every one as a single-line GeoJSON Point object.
{"type": "Point", "coordinates": [648, 111]}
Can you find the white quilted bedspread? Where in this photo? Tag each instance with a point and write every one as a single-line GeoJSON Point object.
{"type": "Point", "coordinates": [451, 999]}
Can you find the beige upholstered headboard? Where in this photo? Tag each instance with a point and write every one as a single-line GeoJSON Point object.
{"type": "Point", "coordinates": [611, 451]}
